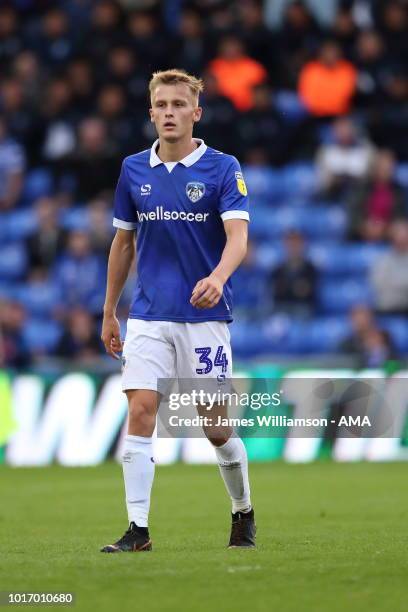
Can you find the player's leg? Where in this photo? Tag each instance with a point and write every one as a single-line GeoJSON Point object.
{"type": "Point", "coordinates": [204, 350]}
{"type": "Point", "coordinates": [138, 462]}
{"type": "Point", "coordinates": [148, 356]}
{"type": "Point", "coordinates": [232, 458]}
{"type": "Point", "coordinates": [233, 465]}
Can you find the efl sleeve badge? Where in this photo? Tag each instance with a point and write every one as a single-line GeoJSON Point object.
{"type": "Point", "coordinates": [241, 184]}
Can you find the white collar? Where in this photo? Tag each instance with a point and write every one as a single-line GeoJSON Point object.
{"type": "Point", "coordinates": [187, 161]}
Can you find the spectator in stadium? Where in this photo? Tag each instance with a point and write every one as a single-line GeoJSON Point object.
{"type": "Point", "coordinates": [389, 273]}
{"type": "Point", "coordinates": [368, 344]}
{"type": "Point", "coordinates": [344, 30]}
{"type": "Point", "coordinates": [377, 349]}
{"type": "Point", "coordinates": [147, 38]}
{"type": "Point", "coordinates": [328, 83]}
{"type": "Point", "coordinates": [105, 32]}
{"type": "Point", "coordinates": [257, 157]}
{"type": "Point", "coordinates": [14, 109]}
{"type": "Point", "coordinates": [361, 321]}
{"type": "Point", "coordinates": [10, 38]}
{"type": "Point", "coordinates": [221, 19]}
{"type": "Point", "coordinates": [294, 280]}
{"type": "Point", "coordinates": [112, 107]}
{"type": "Point", "coordinates": [323, 11]}
{"type": "Point", "coordinates": [58, 120]}
{"type": "Point", "coordinates": [376, 202]}
{"type": "Point", "coordinates": [219, 119]}
{"type": "Point", "coordinates": [53, 41]}
{"type": "Point", "coordinates": [45, 244]}
{"type": "Point", "coordinates": [81, 79]}
{"type": "Point", "coordinates": [258, 39]}
{"type": "Point", "coordinates": [15, 350]}
{"type": "Point", "coordinates": [80, 273]}
{"type": "Point", "coordinates": [346, 160]}
{"type": "Point", "coordinates": [393, 24]}
{"type": "Point", "coordinates": [236, 72]}
{"type": "Point", "coordinates": [372, 66]}
{"type": "Point", "coordinates": [80, 339]}
{"type": "Point", "coordinates": [125, 69]}
{"type": "Point", "coordinates": [262, 126]}
{"type": "Point", "coordinates": [248, 301]}
{"type": "Point", "coordinates": [297, 39]}
{"type": "Point", "coordinates": [100, 226]}
{"type": "Point", "coordinates": [27, 70]}
{"type": "Point", "coordinates": [12, 167]}
{"type": "Point", "coordinates": [96, 161]}
{"type": "Point", "coordinates": [191, 44]}
{"type": "Point", "coordinates": [389, 126]}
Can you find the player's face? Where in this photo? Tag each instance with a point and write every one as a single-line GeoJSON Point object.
{"type": "Point", "coordinates": [174, 111]}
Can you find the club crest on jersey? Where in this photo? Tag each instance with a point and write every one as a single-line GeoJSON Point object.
{"type": "Point", "coordinates": [195, 191]}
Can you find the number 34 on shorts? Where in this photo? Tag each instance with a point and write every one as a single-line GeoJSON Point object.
{"type": "Point", "coordinates": [205, 358]}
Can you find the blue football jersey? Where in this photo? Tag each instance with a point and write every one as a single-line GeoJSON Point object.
{"type": "Point", "coordinates": [178, 209]}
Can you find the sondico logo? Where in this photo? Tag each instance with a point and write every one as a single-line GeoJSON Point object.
{"type": "Point", "coordinates": [159, 214]}
{"type": "Point", "coordinates": [145, 189]}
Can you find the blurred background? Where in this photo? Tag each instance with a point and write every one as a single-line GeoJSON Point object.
{"type": "Point", "coordinates": [312, 97]}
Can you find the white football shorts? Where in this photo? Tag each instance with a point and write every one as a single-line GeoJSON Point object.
{"type": "Point", "coordinates": [155, 350]}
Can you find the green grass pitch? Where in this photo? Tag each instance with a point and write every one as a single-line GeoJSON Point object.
{"type": "Point", "coordinates": [331, 537]}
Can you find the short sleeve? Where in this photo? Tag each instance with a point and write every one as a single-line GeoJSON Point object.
{"type": "Point", "coordinates": [233, 200]}
{"type": "Point", "coordinates": [124, 207]}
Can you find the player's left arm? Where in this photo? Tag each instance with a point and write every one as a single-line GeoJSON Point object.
{"type": "Point", "coordinates": [208, 291]}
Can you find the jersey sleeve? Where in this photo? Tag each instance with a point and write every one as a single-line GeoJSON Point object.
{"type": "Point", "coordinates": [233, 200]}
{"type": "Point", "coordinates": [124, 215]}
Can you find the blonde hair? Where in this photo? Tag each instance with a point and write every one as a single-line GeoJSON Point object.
{"type": "Point", "coordinates": [174, 77]}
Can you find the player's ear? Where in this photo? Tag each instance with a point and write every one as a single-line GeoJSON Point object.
{"type": "Point", "coordinates": [151, 115]}
{"type": "Point", "coordinates": [197, 113]}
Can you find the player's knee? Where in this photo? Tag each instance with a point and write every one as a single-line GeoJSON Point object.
{"type": "Point", "coordinates": [218, 441]}
{"type": "Point", "coordinates": [142, 419]}
{"type": "Point", "coordinates": [219, 436]}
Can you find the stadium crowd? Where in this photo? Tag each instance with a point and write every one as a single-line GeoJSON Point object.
{"type": "Point", "coordinates": [314, 106]}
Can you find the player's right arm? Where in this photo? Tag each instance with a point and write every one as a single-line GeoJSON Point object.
{"type": "Point", "coordinates": [121, 257]}
{"type": "Point", "coordinates": [120, 260]}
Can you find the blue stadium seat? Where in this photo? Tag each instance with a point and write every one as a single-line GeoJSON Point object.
{"type": "Point", "coordinates": [300, 179]}
{"type": "Point", "coordinates": [75, 218]}
{"type": "Point", "coordinates": [40, 299]}
{"type": "Point", "coordinates": [319, 335]}
{"type": "Point", "coordinates": [7, 290]}
{"type": "Point", "coordinates": [313, 221]}
{"type": "Point", "coordinates": [345, 259]}
{"type": "Point", "coordinates": [245, 338]}
{"type": "Point", "coordinates": [339, 295]}
{"type": "Point", "coordinates": [285, 335]}
{"type": "Point", "coordinates": [13, 261]}
{"type": "Point", "coordinates": [325, 133]}
{"type": "Point", "coordinates": [265, 184]}
{"type": "Point", "coordinates": [290, 106]}
{"type": "Point", "coordinates": [401, 175]}
{"type": "Point", "coordinates": [38, 183]}
{"type": "Point", "coordinates": [248, 285]}
{"type": "Point", "coordinates": [269, 254]}
{"type": "Point", "coordinates": [18, 224]}
{"type": "Point", "coordinates": [398, 330]}
{"type": "Point", "coordinates": [41, 335]}
{"type": "Point", "coordinates": [319, 221]}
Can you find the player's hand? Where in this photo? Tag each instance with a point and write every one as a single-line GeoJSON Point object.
{"type": "Point", "coordinates": [207, 292]}
{"type": "Point", "coordinates": [111, 336]}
